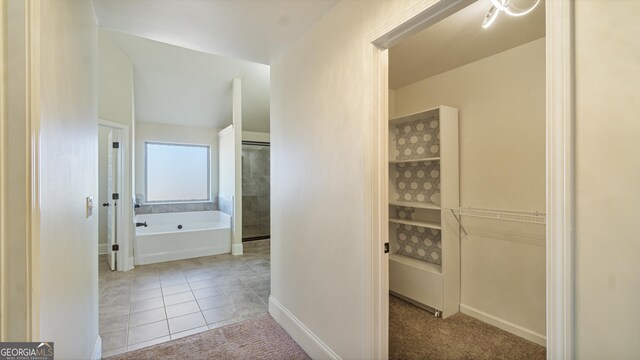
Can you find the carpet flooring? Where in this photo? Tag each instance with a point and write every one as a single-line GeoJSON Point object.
{"type": "Point", "coordinates": [416, 334]}
{"type": "Point", "coordinates": [259, 338]}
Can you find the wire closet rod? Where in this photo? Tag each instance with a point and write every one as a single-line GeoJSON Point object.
{"type": "Point", "coordinates": [534, 217]}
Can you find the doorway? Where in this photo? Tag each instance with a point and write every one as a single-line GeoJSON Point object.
{"type": "Point", "coordinates": [415, 20]}
{"type": "Point", "coordinates": [110, 193]}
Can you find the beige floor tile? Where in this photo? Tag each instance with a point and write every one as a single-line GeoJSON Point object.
{"type": "Point", "coordinates": [222, 323]}
{"type": "Point", "coordinates": [201, 284]}
{"type": "Point", "coordinates": [189, 332]}
{"type": "Point", "coordinates": [145, 294]}
{"type": "Point", "coordinates": [118, 351]}
{"type": "Point", "coordinates": [148, 343]}
{"type": "Point", "coordinates": [116, 323]}
{"type": "Point", "coordinates": [178, 298]}
{"type": "Point", "coordinates": [141, 297]}
{"type": "Point", "coordinates": [146, 286]}
{"type": "Point", "coordinates": [212, 302]}
{"type": "Point", "coordinates": [186, 322]}
{"type": "Point", "coordinates": [113, 339]}
{"type": "Point", "coordinates": [147, 332]}
{"type": "Point", "coordinates": [175, 289]}
{"type": "Point", "coordinates": [111, 312]}
{"type": "Point", "coordinates": [182, 309]}
{"type": "Point", "coordinates": [219, 313]}
{"type": "Point", "coordinates": [207, 292]}
{"type": "Point", "coordinates": [146, 317]}
{"type": "Point", "coordinates": [147, 304]}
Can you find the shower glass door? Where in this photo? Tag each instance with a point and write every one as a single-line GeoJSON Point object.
{"type": "Point", "coordinates": [256, 199]}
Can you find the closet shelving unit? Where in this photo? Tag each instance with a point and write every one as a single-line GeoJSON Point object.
{"type": "Point", "coordinates": [424, 235]}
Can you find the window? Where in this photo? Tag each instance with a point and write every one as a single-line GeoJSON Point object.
{"type": "Point", "coordinates": [177, 172]}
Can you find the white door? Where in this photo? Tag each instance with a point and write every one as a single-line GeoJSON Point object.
{"type": "Point", "coordinates": [110, 203]}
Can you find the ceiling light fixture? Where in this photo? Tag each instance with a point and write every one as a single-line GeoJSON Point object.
{"type": "Point", "coordinates": [508, 7]}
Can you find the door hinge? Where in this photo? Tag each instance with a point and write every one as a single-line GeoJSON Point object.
{"type": "Point", "coordinates": [115, 247]}
{"type": "Point", "coordinates": [116, 145]}
{"type": "Point", "coordinates": [386, 248]}
{"type": "Point", "coordinates": [115, 196]}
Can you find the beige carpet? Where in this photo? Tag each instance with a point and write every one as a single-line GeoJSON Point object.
{"type": "Point", "coordinates": [416, 334]}
{"type": "Point", "coordinates": [259, 338]}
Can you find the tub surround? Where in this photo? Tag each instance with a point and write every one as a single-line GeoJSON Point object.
{"type": "Point", "coordinates": [175, 208]}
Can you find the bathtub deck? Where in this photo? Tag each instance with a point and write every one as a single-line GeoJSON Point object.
{"type": "Point", "coordinates": [160, 302]}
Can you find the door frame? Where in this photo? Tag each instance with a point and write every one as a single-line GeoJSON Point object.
{"type": "Point", "coordinates": [123, 225]}
{"type": "Point", "coordinates": [560, 159]}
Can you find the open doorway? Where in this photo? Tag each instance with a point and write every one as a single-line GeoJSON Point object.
{"type": "Point", "coordinates": [110, 185]}
{"type": "Point", "coordinates": [464, 215]}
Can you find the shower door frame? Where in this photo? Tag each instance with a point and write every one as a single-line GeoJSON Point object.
{"type": "Point", "coordinates": [255, 143]}
{"type": "Point", "coordinates": [560, 181]}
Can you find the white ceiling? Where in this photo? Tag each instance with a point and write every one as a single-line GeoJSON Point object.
{"type": "Point", "coordinates": [459, 39]}
{"type": "Point", "coordinates": [252, 30]}
{"type": "Point", "coordinates": [174, 85]}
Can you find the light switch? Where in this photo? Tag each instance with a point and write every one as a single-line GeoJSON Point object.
{"type": "Point", "coordinates": [89, 206]}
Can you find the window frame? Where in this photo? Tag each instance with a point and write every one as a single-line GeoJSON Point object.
{"type": "Point", "coordinates": [146, 174]}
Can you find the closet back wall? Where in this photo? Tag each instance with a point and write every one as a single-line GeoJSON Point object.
{"type": "Point", "coordinates": [147, 131]}
{"type": "Point", "coordinates": [501, 102]}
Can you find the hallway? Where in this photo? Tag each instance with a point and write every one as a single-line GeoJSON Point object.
{"type": "Point", "coordinates": [160, 302]}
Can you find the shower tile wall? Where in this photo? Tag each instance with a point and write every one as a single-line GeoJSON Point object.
{"type": "Point", "coordinates": [256, 200]}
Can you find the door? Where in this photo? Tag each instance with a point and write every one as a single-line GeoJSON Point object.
{"type": "Point", "coordinates": [110, 203]}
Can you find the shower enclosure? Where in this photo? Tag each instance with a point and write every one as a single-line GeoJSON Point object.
{"type": "Point", "coordinates": [255, 191]}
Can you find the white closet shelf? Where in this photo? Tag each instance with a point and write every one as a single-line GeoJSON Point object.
{"type": "Point", "coordinates": [424, 224]}
{"type": "Point", "coordinates": [414, 160]}
{"type": "Point", "coordinates": [414, 116]}
{"type": "Point", "coordinates": [423, 265]}
{"type": "Point", "coordinates": [415, 205]}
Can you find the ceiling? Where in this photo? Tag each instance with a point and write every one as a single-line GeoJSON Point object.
{"type": "Point", "coordinates": [174, 85]}
{"type": "Point", "coordinates": [252, 30]}
{"type": "Point", "coordinates": [460, 39]}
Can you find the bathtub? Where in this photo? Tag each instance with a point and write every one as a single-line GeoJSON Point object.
{"type": "Point", "coordinates": [181, 235]}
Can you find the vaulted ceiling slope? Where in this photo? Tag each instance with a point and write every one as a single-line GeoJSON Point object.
{"type": "Point", "coordinates": [459, 40]}
{"type": "Point", "coordinates": [174, 85]}
{"type": "Point", "coordinates": [252, 30]}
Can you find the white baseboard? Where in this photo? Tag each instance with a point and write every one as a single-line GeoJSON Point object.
{"type": "Point", "coordinates": [236, 249]}
{"type": "Point", "coordinates": [309, 342]}
{"type": "Point", "coordinates": [97, 349]}
{"type": "Point", "coordinates": [505, 325]}
{"type": "Point", "coordinates": [102, 249]}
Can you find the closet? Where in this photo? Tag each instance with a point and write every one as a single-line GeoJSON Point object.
{"type": "Point", "coordinates": [424, 261]}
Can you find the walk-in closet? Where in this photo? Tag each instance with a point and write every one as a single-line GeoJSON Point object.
{"type": "Point", "coordinates": [466, 165]}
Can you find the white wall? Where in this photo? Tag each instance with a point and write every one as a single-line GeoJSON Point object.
{"type": "Point", "coordinates": [68, 293]}
{"type": "Point", "coordinates": [607, 265]}
{"type": "Point", "coordinates": [146, 131]}
{"type": "Point", "coordinates": [501, 103]}
{"type": "Point", "coordinates": [226, 158]}
{"type": "Point", "coordinates": [319, 113]}
{"type": "Point", "coordinates": [116, 103]}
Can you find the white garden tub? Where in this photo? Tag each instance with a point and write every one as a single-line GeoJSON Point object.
{"type": "Point", "coordinates": [181, 235]}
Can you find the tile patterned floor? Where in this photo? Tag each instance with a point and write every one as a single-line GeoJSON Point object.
{"type": "Point", "coordinates": [160, 302]}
